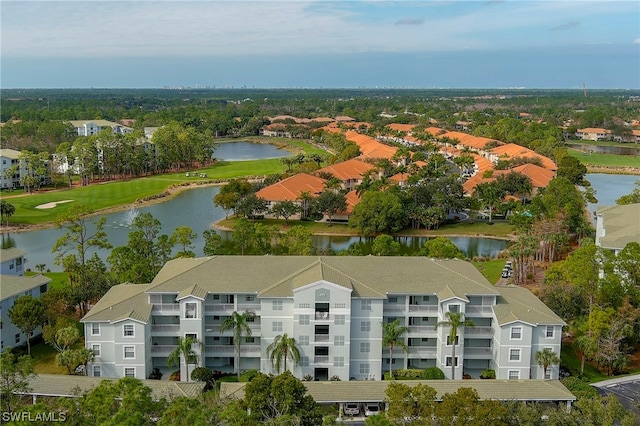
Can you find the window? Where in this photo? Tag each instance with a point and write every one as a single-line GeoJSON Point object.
{"type": "Point", "coordinates": [249, 339]}
{"type": "Point", "coordinates": [338, 340]}
{"type": "Point", "coordinates": [277, 305]}
{"type": "Point", "coordinates": [393, 299]}
{"type": "Point", "coordinates": [454, 308]}
{"type": "Point", "coordinates": [18, 338]}
{"type": "Point", "coordinates": [364, 368]}
{"type": "Point", "coordinates": [216, 297]}
{"type": "Point", "coordinates": [97, 371]}
{"type": "Point", "coordinates": [365, 347]}
{"type": "Point", "coordinates": [449, 340]}
{"type": "Point", "coordinates": [129, 372]}
{"type": "Point", "coordinates": [95, 328]}
{"type": "Point", "coordinates": [96, 350]}
{"type": "Point", "coordinates": [514, 354]}
{"type": "Point", "coordinates": [43, 288]}
{"type": "Point", "coordinates": [304, 319]}
{"type": "Point", "coordinates": [127, 330]}
{"type": "Point", "coordinates": [448, 361]}
{"type": "Point", "coordinates": [340, 305]}
{"type": "Point", "coordinates": [129, 352]}
{"type": "Point", "coordinates": [303, 340]}
{"type": "Point", "coordinates": [250, 298]}
{"type": "Point", "coordinates": [191, 310]}
{"type": "Point", "coordinates": [340, 319]}
{"type": "Point", "coordinates": [514, 375]}
{"type": "Point", "coordinates": [549, 332]}
{"type": "Point", "coordinates": [547, 375]}
{"type": "Point", "coordinates": [516, 333]}
{"type": "Point", "coordinates": [365, 326]}
{"type": "Point", "coordinates": [338, 361]}
{"type": "Point", "coordinates": [365, 305]}
{"type": "Point", "coordinates": [2, 344]}
{"type": "Point", "coordinates": [277, 326]}
{"type": "Point", "coordinates": [304, 361]}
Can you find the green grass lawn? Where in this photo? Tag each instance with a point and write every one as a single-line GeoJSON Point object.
{"type": "Point", "coordinates": [58, 279]}
{"type": "Point", "coordinates": [606, 160]}
{"type": "Point", "coordinates": [570, 359]}
{"type": "Point", "coordinates": [44, 355]}
{"type": "Point", "coordinates": [491, 269]}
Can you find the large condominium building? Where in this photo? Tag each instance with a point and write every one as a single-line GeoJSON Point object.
{"type": "Point", "coordinates": [334, 307]}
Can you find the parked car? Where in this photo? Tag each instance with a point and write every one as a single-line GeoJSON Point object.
{"type": "Point", "coordinates": [351, 409]}
{"type": "Point", "coordinates": [372, 410]}
{"type": "Point", "coordinates": [508, 265]}
{"type": "Point", "coordinates": [506, 273]}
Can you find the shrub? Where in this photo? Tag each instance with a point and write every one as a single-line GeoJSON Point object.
{"type": "Point", "coordinates": [579, 388]}
{"type": "Point", "coordinates": [433, 373]}
{"type": "Point", "coordinates": [488, 374]}
{"type": "Point", "coordinates": [203, 374]}
{"type": "Point", "coordinates": [175, 376]}
{"type": "Point", "coordinates": [334, 378]}
{"type": "Point", "coordinates": [307, 378]}
{"type": "Point", "coordinates": [248, 375]}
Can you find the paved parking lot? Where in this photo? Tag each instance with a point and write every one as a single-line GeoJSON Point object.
{"type": "Point", "coordinates": [626, 389]}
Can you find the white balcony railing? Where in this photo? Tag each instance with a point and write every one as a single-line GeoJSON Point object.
{"type": "Point", "coordinates": [423, 351]}
{"type": "Point", "coordinates": [321, 359]}
{"type": "Point", "coordinates": [394, 308]}
{"type": "Point", "coordinates": [430, 309]}
{"type": "Point", "coordinates": [166, 307]}
{"type": "Point", "coordinates": [323, 316]}
{"type": "Point", "coordinates": [253, 307]}
{"type": "Point", "coordinates": [421, 329]}
{"type": "Point", "coordinates": [477, 351]}
{"type": "Point", "coordinates": [471, 309]}
{"type": "Point", "coordinates": [478, 330]}
{"type": "Point", "coordinates": [167, 328]}
{"type": "Point", "coordinates": [230, 349]}
{"type": "Point", "coordinates": [219, 307]}
{"type": "Point", "coordinates": [162, 349]}
{"type": "Point", "coordinates": [321, 337]}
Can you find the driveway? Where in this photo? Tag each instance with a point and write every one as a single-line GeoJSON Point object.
{"type": "Point", "coordinates": [626, 389]}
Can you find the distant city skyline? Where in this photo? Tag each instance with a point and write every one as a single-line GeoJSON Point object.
{"type": "Point", "coordinates": [320, 44]}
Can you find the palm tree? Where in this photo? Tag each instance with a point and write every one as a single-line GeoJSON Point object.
{"type": "Point", "coordinates": [392, 333]}
{"type": "Point", "coordinates": [491, 194]}
{"type": "Point", "coordinates": [455, 320]}
{"type": "Point", "coordinates": [239, 324]}
{"type": "Point", "coordinates": [184, 349]}
{"type": "Point", "coordinates": [545, 358]}
{"type": "Point", "coordinates": [282, 348]}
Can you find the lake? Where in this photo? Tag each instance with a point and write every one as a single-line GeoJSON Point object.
{"type": "Point", "coordinates": [243, 151]}
{"type": "Point", "coordinates": [609, 188]}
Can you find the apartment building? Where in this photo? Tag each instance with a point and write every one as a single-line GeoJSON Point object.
{"type": "Point", "coordinates": [11, 158]}
{"type": "Point", "coordinates": [93, 127]}
{"type": "Point", "coordinates": [15, 285]}
{"type": "Point", "coordinates": [334, 307]}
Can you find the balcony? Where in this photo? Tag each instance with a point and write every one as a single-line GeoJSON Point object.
{"type": "Point", "coordinates": [322, 316]}
{"type": "Point", "coordinates": [321, 337]}
{"type": "Point", "coordinates": [321, 359]}
{"type": "Point", "coordinates": [394, 308]}
{"type": "Point", "coordinates": [229, 350]}
{"type": "Point", "coordinates": [482, 352]}
{"type": "Point", "coordinates": [478, 331]}
{"type": "Point", "coordinates": [474, 309]}
{"type": "Point", "coordinates": [219, 307]}
{"type": "Point", "coordinates": [253, 307]}
{"type": "Point", "coordinates": [165, 350]}
{"type": "Point", "coordinates": [423, 351]}
{"type": "Point", "coordinates": [429, 309]}
{"type": "Point", "coordinates": [166, 308]}
{"type": "Point", "coordinates": [422, 329]}
{"type": "Point", "coordinates": [165, 328]}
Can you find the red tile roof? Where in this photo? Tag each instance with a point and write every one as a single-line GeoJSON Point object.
{"type": "Point", "coordinates": [350, 169]}
{"type": "Point", "coordinates": [512, 150]}
{"type": "Point", "coordinates": [398, 127]}
{"type": "Point", "coordinates": [475, 142]}
{"type": "Point", "coordinates": [291, 188]}
{"type": "Point", "coordinates": [540, 177]}
{"type": "Point", "coordinates": [371, 147]}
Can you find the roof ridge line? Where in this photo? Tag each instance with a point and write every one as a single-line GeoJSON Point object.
{"type": "Point", "coordinates": [290, 276]}
{"type": "Point", "coordinates": [461, 275]}
{"type": "Point", "coordinates": [351, 278]}
{"type": "Point", "coordinates": [512, 300]}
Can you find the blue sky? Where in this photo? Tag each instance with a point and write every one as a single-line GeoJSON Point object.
{"type": "Point", "coordinates": [270, 44]}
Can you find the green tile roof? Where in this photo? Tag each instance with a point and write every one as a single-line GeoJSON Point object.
{"type": "Point", "coordinates": [124, 301]}
{"type": "Point", "coordinates": [12, 285]}
{"type": "Point", "coordinates": [374, 391]}
{"type": "Point", "coordinates": [519, 304]}
{"type": "Point", "coordinates": [621, 224]}
{"type": "Point", "coordinates": [69, 386]}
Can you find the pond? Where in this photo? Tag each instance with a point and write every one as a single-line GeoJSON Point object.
{"type": "Point", "coordinates": [242, 151]}
{"type": "Point", "coordinates": [194, 208]}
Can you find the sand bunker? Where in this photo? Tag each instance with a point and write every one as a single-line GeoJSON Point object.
{"type": "Point", "coordinates": [52, 204]}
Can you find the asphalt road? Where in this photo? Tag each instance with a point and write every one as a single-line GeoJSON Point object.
{"type": "Point", "coordinates": [626, 389]}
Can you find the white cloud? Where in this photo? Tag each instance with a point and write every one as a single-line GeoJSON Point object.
{"type": "Point", "coordinates": [201, 28]}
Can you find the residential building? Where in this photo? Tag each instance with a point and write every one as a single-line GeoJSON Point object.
{"type": "Point", "coordinates": [15, 285]}
{"type": "Point", "coordinates": [333, 307]}
{"type": "Point", "coordinates": [593, 134]}
{"type": "Point", "coordinates": [617, 226]}
{"type": "Point", "coordinates": [349, 172]}
{"type": "Point", "coordinates": [293, 189]}
{"type": "Point", "coordinates": [10, 158]}
{"type": "Point", "coordinates": [93, 127]}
